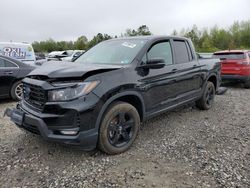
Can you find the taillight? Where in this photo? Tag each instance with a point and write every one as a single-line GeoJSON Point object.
{"type": "Point", "coordinates": [243, 63]}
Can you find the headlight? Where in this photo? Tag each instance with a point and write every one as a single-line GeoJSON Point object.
{"type": "Point", "coordinates": [71, 92]}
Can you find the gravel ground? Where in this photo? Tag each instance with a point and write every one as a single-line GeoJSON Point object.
{"type": "Point", "coordinates": [183, 148]}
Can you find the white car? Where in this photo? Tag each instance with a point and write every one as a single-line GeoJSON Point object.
{"type": "Point", "coordinates": [20, 51]}
{"type": "Point", "coordinates": [72, 54]}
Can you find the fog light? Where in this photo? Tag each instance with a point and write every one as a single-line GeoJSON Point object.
{"type": "Point", "coordinates": [69, 132]}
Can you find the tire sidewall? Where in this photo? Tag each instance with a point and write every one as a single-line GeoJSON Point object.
{"type": "Point", "coordinates": [103, 142]}
{"type": "Point", "coordinates": [209, 84]}
{"type": "Point", "coordinates": [13, 91]}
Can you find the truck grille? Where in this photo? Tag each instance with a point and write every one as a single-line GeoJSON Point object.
{"type": "Point", "coordinates": [34, 95]}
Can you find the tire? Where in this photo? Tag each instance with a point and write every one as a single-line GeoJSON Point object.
{"type": "Point", "coordinates": [247, 84]}
{"type": "Point", "coordinates": [119, 128]}
{"type": "Point", "coordinates": [207, 99]}
{"type": "Point", "coordinates": [16, 91]}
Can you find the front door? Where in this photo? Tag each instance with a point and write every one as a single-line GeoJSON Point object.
{"type": "Point", "coordinates": [158, 84]}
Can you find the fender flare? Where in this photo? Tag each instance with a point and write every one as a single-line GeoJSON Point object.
{"type": "Point", "coordinates": [217, 79]}
{"type": "Point", "coordinates": [112, 99]}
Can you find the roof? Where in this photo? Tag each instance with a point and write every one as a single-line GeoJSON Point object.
{"type": "Point", "coordinates": [149, 37]}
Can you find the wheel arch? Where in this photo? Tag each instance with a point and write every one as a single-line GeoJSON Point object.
{"type": "Point", "coordinates": [213, 78]}
{"type": "Point", "coordinates": [131, 97]}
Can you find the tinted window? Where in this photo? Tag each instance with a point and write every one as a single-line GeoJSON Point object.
{"type": "Point", "coordinates": [2, 63]}
{"type": "Point", "coordinates": [9, 64]}
{"type": "Point", "coordinates": [181, 51]}
{"type": "Point", "coordinates": [229, 55]}
{"type": "Point", "coordinates": [161, 51]}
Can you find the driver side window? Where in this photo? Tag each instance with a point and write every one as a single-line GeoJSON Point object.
{"type": "Point", "coordinates": [161, 50]}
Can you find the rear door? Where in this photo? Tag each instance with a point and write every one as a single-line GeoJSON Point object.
{"type": "Point", "coordinates": [8, 74]}
{"type": "Point", "coordinates": [188, 81]}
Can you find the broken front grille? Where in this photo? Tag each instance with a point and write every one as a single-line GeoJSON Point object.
{"type": "Point", "coordinates": [34, 95]}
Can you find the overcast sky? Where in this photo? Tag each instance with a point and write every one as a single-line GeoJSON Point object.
{"type": "Point", "coordinates": [30, 20]}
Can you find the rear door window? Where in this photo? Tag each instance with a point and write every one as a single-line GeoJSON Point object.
{"type": "Point", "coordinates": [181, 51]}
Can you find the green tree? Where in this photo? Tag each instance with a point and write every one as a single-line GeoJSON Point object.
{"type": "Point", "coordinates": [98, 38]}
{"type": "Point", "coordinates": [237, 36]}
{"type": "Point", "coordinates": [81, 43]}
{"type": "Point", "coordinates": [245, 34]}
{"type": "Point", "coordinates": [142, 30]}
{"type": "Point", "coordinates": [194, 35]}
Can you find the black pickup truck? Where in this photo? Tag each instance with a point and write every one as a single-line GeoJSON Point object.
{"type": "Point", "coordinates": [101, 99]}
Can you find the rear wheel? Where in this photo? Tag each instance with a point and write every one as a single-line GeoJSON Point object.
{"type": "Point", "coordinates": [16, 91]}
{"type": "Point", "coordinates": [119, 128]}
{"type": "Point", "coordinates": [207, 99]}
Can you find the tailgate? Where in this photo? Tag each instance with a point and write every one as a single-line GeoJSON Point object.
{"type": "Point", "coordinates": [230, 67]}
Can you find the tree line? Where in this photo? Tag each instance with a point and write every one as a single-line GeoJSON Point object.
{"type": "Point", "coordinates": [237, 36]}
{"type": "Point", "coordinates": [82, 42]}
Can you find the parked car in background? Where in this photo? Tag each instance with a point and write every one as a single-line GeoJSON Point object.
{"type": "Point", "coordinates": [40, 56]}
{"type": "Point", "coordinates": [20, 51]}
{"type": "Point", "coordinates": [235, 65]}
{"type": "Point", "coordinates": [12, 72]}
{"type": "Point", "coordinates": [56, 55]}
{"type": "Point", "coordinates": [100, 99]}
{"type": "Point", "coordinates": [73, 55]}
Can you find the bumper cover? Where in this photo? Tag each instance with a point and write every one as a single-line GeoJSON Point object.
{"type": "Point", "coordinates": [85, 140]}
{"type": "Point", "coordinates": [235, 77]}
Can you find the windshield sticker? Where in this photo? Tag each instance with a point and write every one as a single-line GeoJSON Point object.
{"type": "Point", "coordinates": [128, 44]}
{"type": "Point", "coordinates": [125, 62]}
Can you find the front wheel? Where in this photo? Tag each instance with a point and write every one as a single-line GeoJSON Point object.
{"type": "Point", "coordinates": [207, 99]}
{"type": "Point", "coordinates": [119, 128]}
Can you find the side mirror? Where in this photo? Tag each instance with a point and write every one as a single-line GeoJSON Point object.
{"type": "Point", "coordinates": [154, 64]}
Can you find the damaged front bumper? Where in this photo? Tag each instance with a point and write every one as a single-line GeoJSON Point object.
{"type": "Point", "coordinates": [85, 140]}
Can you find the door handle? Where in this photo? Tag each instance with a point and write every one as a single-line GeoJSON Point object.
{"type": "Point", "coordinates": [194, 66]}
{"type": "Point", "coordinates": [174, 70]}
{"type": "Point", "coordinates": [8, 72]}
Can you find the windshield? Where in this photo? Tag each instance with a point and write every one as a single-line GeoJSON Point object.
{"type": "Point", "coordinates": [229, 56]}
{"type": "Point", "coordinates": [113, 52]}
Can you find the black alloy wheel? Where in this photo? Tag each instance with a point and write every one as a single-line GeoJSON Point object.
{"type": "Point", "coordinates": [207, 99]}
{"type": "Point", "coordinates": [119, 128]}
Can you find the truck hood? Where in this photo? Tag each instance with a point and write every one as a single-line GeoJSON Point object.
{"type": "Point", "coordinates": [69, 69]}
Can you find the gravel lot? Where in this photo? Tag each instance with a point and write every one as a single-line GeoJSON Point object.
{"type": "Point", "coordinates": [182, 148]}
